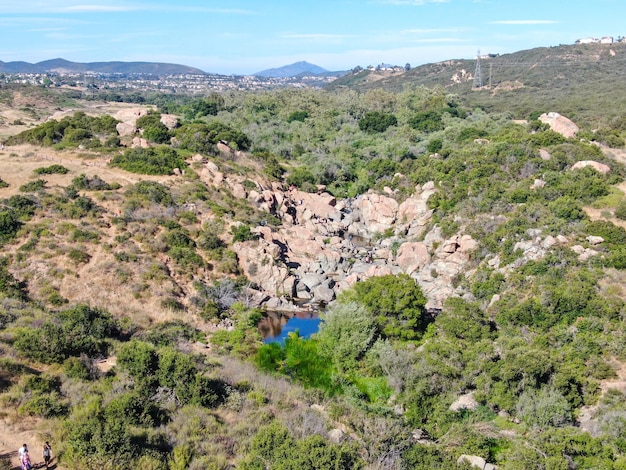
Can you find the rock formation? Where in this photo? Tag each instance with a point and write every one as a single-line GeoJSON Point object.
{"type": "Point", "coordinates": [324, 246]}
{"type": "Point", "coordinates": [560, 124]}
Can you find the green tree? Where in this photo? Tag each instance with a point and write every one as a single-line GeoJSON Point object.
{"type": "Point", "coordinates": [396, 302]}
{"type": "Point", "coordinates": [346, 333]}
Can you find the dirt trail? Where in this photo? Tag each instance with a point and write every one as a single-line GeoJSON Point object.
{"type": "Point", "coordinates": [15, 431]}
{"type": "Point", "coordinates": [585, 418]}
{"type": "Point", "coordinates": [619, 155]}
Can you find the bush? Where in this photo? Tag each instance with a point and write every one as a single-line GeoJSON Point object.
{"type": "Point", "coordinates": [9, 225]}
{"type": "Point", "coordinates": [82, 330]}
{"type": "Point", "coordinates": [543, 408]}
{"type": "Point", "coordinates": [51, 170]}
{"type": "Point", "coordinates": [375, 121]}
{"type": "Point", "coordinates": [242, 233]}
{"type": "Point", "coordinates": [151, 161]}
{"type": "Point", "coordinates": [151, 192]}
{"type": "Point", "coordinates": [426, 121]}
{"type": "Point", "coordinates": [33, 186]}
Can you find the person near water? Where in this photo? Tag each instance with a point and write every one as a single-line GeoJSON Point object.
{"type": "Point", "coordinates": [47, 453]}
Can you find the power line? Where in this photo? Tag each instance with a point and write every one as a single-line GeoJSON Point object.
{"type": "Point", "coordinates": [478, 76]}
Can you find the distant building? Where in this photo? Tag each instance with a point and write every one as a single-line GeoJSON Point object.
{"type": "Point", "coordinates": [603, 40]}
{"type": "Point", "coordinates": [587, 41]}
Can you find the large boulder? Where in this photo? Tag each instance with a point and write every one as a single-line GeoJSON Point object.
{"type": "Point", "coordinates": [130, 115]}
{"type": "Point", "coordinates": [125, 129]}
{"type": "Point", "coordinates": [378, 213]}
{"type": "Point", "coordinates": [599, 167]}
{"type": "Point", "coordinates": [412, 256]}
{"type": "Point", "coordinates": [170, 121]}
{"type": "Point", "coordinates": [560, 124]}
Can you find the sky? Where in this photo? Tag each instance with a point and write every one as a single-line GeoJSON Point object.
{"type": "Point", "coordinates": [245, 36]}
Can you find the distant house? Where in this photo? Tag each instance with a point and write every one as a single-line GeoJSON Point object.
{"type": "Point", "coordinates": [606, 40]}
{"type": "Point", "coordinates": [587, 41]}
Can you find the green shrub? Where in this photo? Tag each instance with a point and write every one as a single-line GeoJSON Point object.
{"type": "Point", "coordinates": [151, 161]}
{"type": "Point", "coordinates": [9, 225]}
{"type": "Point", "coordinates": [544, 408]}
{"type": "Point", "coordinates": [78, 256]}
{"type": "Point", "coordinates": [81, 330]}
{"type": "Point", "coordinates": [33, 186]}
{"type": "Point", "coordinates": [426, 121]}
{"type": "Point", "coordinates": [242, 233]}
{"type": "Point", "coordinates": [376, 121]}
{"type": "Point", "coordinates": [47, 405]}
{"type": "Point", "coordinates": [298, 116]}
{"type": "Point", "coordinates": [51, 170]}
{"type": "Point", "coordinates": [75, 368]}
{"type": "Point", "coordinates": [151, 192]}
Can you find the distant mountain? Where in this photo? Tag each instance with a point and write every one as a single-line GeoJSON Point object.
{"type": "Point", "coordinates": [65, 66]}
{"type": "Point", "coordinates": [292, 70]}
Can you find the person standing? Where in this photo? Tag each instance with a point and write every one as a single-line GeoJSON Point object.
{"type": "Point", "coordinates": [25, 461]}
{"type": "Point", "coordinates": [47, 453]}
{"type": "Point", "coordinates": [20, 452]}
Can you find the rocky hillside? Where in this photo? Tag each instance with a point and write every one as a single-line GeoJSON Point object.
{"type": "Point", "coordinates": [470, 267]}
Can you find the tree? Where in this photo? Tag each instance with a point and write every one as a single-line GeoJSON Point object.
{"type": "Point", "coordinates": [346, 333]}
{"type": "Point", "coordinates": [396, 302]}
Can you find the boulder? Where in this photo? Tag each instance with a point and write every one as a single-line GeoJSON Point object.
{"type": "Point", "coordinates": [560, 124]}
{"type": "Point", "coordinates": [464, 402]}
{"type": "Point", "coordinates": [140, 142]}
{"type": "Point", "coordinates": [595, 240]}
{"type": "Point", "coordinates": [476, 461]}
{"type": "Point", "coordinates": [125, 129]}
{"type": "Point", "coordinates": [335, 436]}
{"type": "Point", "coordinates": [467, 244]}
{"type": "Point", "coordinates": [412, 256]}
{"type": "Point", "coordinates": [239, 191]}
{"type": "Point", "coordinates": [599, 167]}
{"type": "Point", "coordinates": [378, 213]}
{"type": "Point", "coordinates": [323, 293]}
{"type": "Point", "coordinates": [538, 184]}
{"type": "Point", "coordinates": [170, 121]}
{"type": "Point", "coordinates": [544, 154]}
{"type": "Point", "coordinates": [130, 115]}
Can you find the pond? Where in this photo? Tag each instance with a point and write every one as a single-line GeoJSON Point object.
{"type": "Point", "coordinates": [275, 328]}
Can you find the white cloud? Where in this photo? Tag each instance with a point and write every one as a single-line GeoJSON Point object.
{"type": "Point", "coordinates": [524, 22]}
{"type": "Point", "coordinates": [120, 6]}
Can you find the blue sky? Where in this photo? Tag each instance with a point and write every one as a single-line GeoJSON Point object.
{"type": "Point", "coordinates": [245, 36]}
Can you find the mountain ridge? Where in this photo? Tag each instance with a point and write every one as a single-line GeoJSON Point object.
{"type": "Point", "coordinates": [60, 65]}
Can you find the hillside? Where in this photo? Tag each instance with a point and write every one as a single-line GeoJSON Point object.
{"type": "Point", "coordinates": [469, 268]}
{"type": "Point", "coordinates": [582, 81]}
{"type": "Point", "coordinates": [67, 67]}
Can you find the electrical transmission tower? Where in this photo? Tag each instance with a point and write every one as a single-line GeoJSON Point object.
{"type": "Point", "coordinates": [478, 75]}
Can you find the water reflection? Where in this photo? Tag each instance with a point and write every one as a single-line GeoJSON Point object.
{"type": "Point", "coordinates": [276, 326]}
